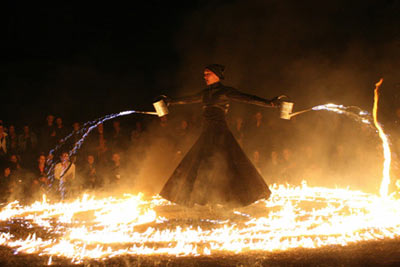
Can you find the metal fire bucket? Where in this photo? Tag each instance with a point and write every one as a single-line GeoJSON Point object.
{"type": "Point", "coordinates": [286, 110]}
{"type": "Point", "coordinates": [161, 108]}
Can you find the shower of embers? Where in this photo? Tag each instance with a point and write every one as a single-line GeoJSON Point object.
{"type": "Point", "coordinates": [103, 229]}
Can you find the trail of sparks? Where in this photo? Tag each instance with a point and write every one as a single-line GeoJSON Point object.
{"type": "Point", "coordinates": [385, 143]}
{"type": "Point", "coordinates": [353, 112]}
{"type": "Point", "coordinates": [83, 133]}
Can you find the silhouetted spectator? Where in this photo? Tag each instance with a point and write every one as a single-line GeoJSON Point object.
{"type": "Point", "coordinates": [115, 170]}
{"type": "Point", "coordinates": [273, 171]}
{"type": "Point", "coordinates": [183, 129]}
{"type": "Point", "coordinates": [75, 133]}
{"type": "Point", "coordinates": [102, 148]}
{"type": "Point", "coordinates": [5, 183]}
{"type": "Point", "coordinates": [137, 133]}
{"type": "Point", "coordinates": [182, 137]}
{"type": "Point", "coordinates": [289, 166]}
{"type": "Point", "coordinates": [256, 161]}
{"type": "Point", "coordinates": [64, 172]}
{"type": "Point", "coordinates": [15, 163]}
{"type": "Point", "coordinates": [27, 146]}
{"type": "Point", "coordinates": [4, 145]}
{"type": "Point", "coordinates": [163, 128]}
{"type": "Point", "coordinates": [98, 145]}
{"type": "Point", "coordinates": [256, 135]}
{"type": "Point", "coordinates": [195, 122]}
{"type": "Point", "coordinates": [309, 164]}
{"type": "Point", "coordinates": [61, 131]}
{"type": "Point", "coordinates": [88, 172]}
{"type": "Point", "coordinates": [117, 138]}
{"type": "Point", "coordinates": [238, 130]}
{"type": "Point", "coordinates": [75, 138]}
{"type": "Point", "coordinates": [48, 135]}
{"type": "Point", "coordinates": [17, 185]}
{"type": "Point", "coordinates": [13, 137]}
{"type": "Point", "coordinates": [40, 181]}
{"type": "Point", "coordinates": [137, 147]}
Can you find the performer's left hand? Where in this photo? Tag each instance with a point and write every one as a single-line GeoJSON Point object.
{"type": "Point", "coordinates": [277, 101]}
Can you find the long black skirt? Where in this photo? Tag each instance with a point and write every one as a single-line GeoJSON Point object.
{"type": "Point", "coordinates": [215, 171]}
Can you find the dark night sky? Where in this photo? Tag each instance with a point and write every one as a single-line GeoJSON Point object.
{"type": "Point", "coordinates": [82, 62]}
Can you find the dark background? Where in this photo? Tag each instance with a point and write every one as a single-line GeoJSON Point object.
{"type": "Point", "coordinates": [83, 61]}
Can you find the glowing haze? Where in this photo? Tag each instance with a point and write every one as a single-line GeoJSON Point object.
{"type": "Point", "coordinates": [294, 216]}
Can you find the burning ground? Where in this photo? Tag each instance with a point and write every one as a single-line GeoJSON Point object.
{"type": "Point", "coordinates": [297, 225]}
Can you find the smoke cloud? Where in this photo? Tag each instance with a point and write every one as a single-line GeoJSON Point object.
{"type": "Point", "coordinates": [315, 53]}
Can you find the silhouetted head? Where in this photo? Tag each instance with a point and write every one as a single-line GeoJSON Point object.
{"type": "Point", "coordinates": [64, 157]}
{"type": "Point", "coordinates": [59, 121]}
{"type": "Point", "coordinates": [11, 129]}
{"type": "Point", "coordinates": [213, 73]}
{"type": "Point", "coordinates": [90, 159]}
{"type": "Point", "coordinates": [50, 119]}
{"type": "Point", "coordinates": [26, 129]}
{"type": "Point", "coordinates": [76, 126]}
{"type": "Point", "coordinates": [42, 159]}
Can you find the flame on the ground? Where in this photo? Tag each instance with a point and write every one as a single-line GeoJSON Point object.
{"type": "Point", "coordinates": [384, 189]}
{"type": "Point", "coordinates": [293, 217]}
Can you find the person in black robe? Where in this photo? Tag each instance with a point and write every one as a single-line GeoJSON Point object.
{"type": "Point", "coordinates": [216, 170]}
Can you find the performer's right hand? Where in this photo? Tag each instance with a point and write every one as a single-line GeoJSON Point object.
{"type": "Point", "coordinates": [165, 98]}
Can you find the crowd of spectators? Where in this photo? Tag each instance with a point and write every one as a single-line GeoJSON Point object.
{"type": "Point", "coordinates": [283, 151]}
{"type": "Point", "coordinates": [40, 162]}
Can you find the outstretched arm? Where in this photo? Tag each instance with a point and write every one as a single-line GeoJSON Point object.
{"type": "Point", "coordinates": [238, 96]}
{"type": "Point", "coordinates": [191, 99]}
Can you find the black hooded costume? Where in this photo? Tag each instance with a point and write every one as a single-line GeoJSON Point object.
{"type": "Point", "coordinates": [216, 170]}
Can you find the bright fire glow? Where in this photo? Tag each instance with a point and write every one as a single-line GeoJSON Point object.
{"type": "Point", "coordinates": [293, 217]}
{"type": "Point", "coordinates": [384, 189]}
{"type": "Point", "coordinates": [303, 216]}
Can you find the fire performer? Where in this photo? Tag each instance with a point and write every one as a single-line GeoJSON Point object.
{"type": "Point", "coordinates": [216, 170]}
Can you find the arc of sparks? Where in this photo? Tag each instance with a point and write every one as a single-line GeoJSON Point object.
{"type": "Point", "coordinates": [385, 144]}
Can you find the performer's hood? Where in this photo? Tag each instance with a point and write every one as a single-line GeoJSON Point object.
{"type": "Point", "coordinates": [217, 69]}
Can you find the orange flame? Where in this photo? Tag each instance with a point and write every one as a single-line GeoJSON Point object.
{"type": "Point", "coordinates": [385, 143]}
{"type": "Point", "coordinates": [154, 226]}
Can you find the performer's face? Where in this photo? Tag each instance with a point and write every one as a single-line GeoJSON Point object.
{"type": "Point", "coordinates": [210, 77]}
